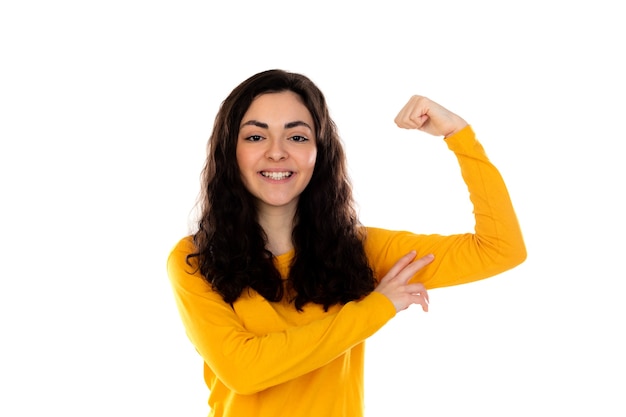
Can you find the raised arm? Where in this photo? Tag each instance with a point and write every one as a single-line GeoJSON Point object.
{"type": "Point", "coordinates": [496, 244]}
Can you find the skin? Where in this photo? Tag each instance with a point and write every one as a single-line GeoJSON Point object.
{"type": "Point", "coordinates": [277, 135]}
{"type": "Point", "coordinates": [424, 114]}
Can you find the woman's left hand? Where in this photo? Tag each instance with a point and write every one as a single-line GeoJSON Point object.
{"type": "Point", "coordinates": [424, 114]}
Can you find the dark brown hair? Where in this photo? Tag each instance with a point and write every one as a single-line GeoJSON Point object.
{"type": "Point", "coordinates": [330, 266]}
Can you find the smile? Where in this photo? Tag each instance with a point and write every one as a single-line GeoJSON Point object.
{"type": "Point", "coordinates": [277, 175]}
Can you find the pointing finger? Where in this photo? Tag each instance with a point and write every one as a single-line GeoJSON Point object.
{"type": "Point", "coordinates": [399, 266]}
{"type": "Point", "coordinates": [410, 270]}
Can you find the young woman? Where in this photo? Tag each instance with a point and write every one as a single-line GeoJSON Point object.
{"type": "Point", "coordinates": [280, 284]}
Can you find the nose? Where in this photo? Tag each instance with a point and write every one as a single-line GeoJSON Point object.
{"type": "Point", "coordinates": [276, 150]}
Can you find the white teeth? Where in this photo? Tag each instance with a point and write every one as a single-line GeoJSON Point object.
{"type": "Point", "coordinates": [277, 175]}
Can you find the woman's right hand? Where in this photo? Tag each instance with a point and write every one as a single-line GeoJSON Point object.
{"type": "Point", "coordinates": [395, 284]}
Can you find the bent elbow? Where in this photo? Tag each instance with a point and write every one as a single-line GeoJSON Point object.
{"type": "Point", "coordinates": [522, 255]}
{"type": "Point", "coordinates": [515, 255]}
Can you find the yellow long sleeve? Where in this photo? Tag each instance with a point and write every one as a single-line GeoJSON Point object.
{"type": "Point", "coordinates": [495, 246]}
{"type": "Point", "coordinates": [267, 359]}
{"type": "Point", "coordinates": [257, 349]}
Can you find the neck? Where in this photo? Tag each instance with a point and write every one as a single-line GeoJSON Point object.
{"type": "Point", "coordinates": [277, 222]}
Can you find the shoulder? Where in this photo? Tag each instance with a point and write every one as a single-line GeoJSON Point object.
{"type": "Point", "coordinates": [179, 253]}
{"type": "Point", "coordinates": [184, 245]}
{"type": "Point", "coordinates": [184, 272]}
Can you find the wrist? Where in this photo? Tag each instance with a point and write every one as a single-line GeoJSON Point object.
{"type": "Point", "coordinates": [460, 125]}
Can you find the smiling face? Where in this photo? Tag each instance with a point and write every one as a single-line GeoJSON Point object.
{"type": "Point", "coordinates": [276, 150]}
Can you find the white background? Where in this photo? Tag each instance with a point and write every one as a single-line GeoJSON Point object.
{"type": "Point", "coordinates": [105, 109]}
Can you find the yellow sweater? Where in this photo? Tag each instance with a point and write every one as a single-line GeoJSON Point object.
{"type": "Point", "coordinates": [265, 359]}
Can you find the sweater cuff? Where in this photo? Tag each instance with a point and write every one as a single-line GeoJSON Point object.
{"type": "Point", "coordinates": [380, 306]}
{"type": "Point", "coordinates": [464, 141]}
{"type": "Point", "coordinates": [463, 134]}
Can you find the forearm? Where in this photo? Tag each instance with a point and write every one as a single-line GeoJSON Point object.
{"type": "Point", "coordinates": [250, 360]}
{"type": "Point", "coordinates": [496, 224]}
{"type": "Point", "coordinates": [495, 246]}
{"type": "Point", "coordinates": [497, 243]}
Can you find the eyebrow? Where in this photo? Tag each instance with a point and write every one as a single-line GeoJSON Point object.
{"type": "Point", "coordinates": [288, 125]}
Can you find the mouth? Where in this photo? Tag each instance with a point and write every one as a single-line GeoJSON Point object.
{"type": "Point", "coordinates": [277, 175]}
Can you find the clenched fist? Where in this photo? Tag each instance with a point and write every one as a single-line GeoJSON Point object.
{"type": "Point", "coordinates": [424, 114]}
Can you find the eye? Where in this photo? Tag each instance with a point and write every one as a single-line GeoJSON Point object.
{"type": "Point", "coordinates": [298, 138]}
{"type": "Point", "coordinates": [254, 138]}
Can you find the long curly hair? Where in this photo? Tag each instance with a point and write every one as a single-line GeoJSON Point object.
{"type": "Point", "coordinates": [330, 265]}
